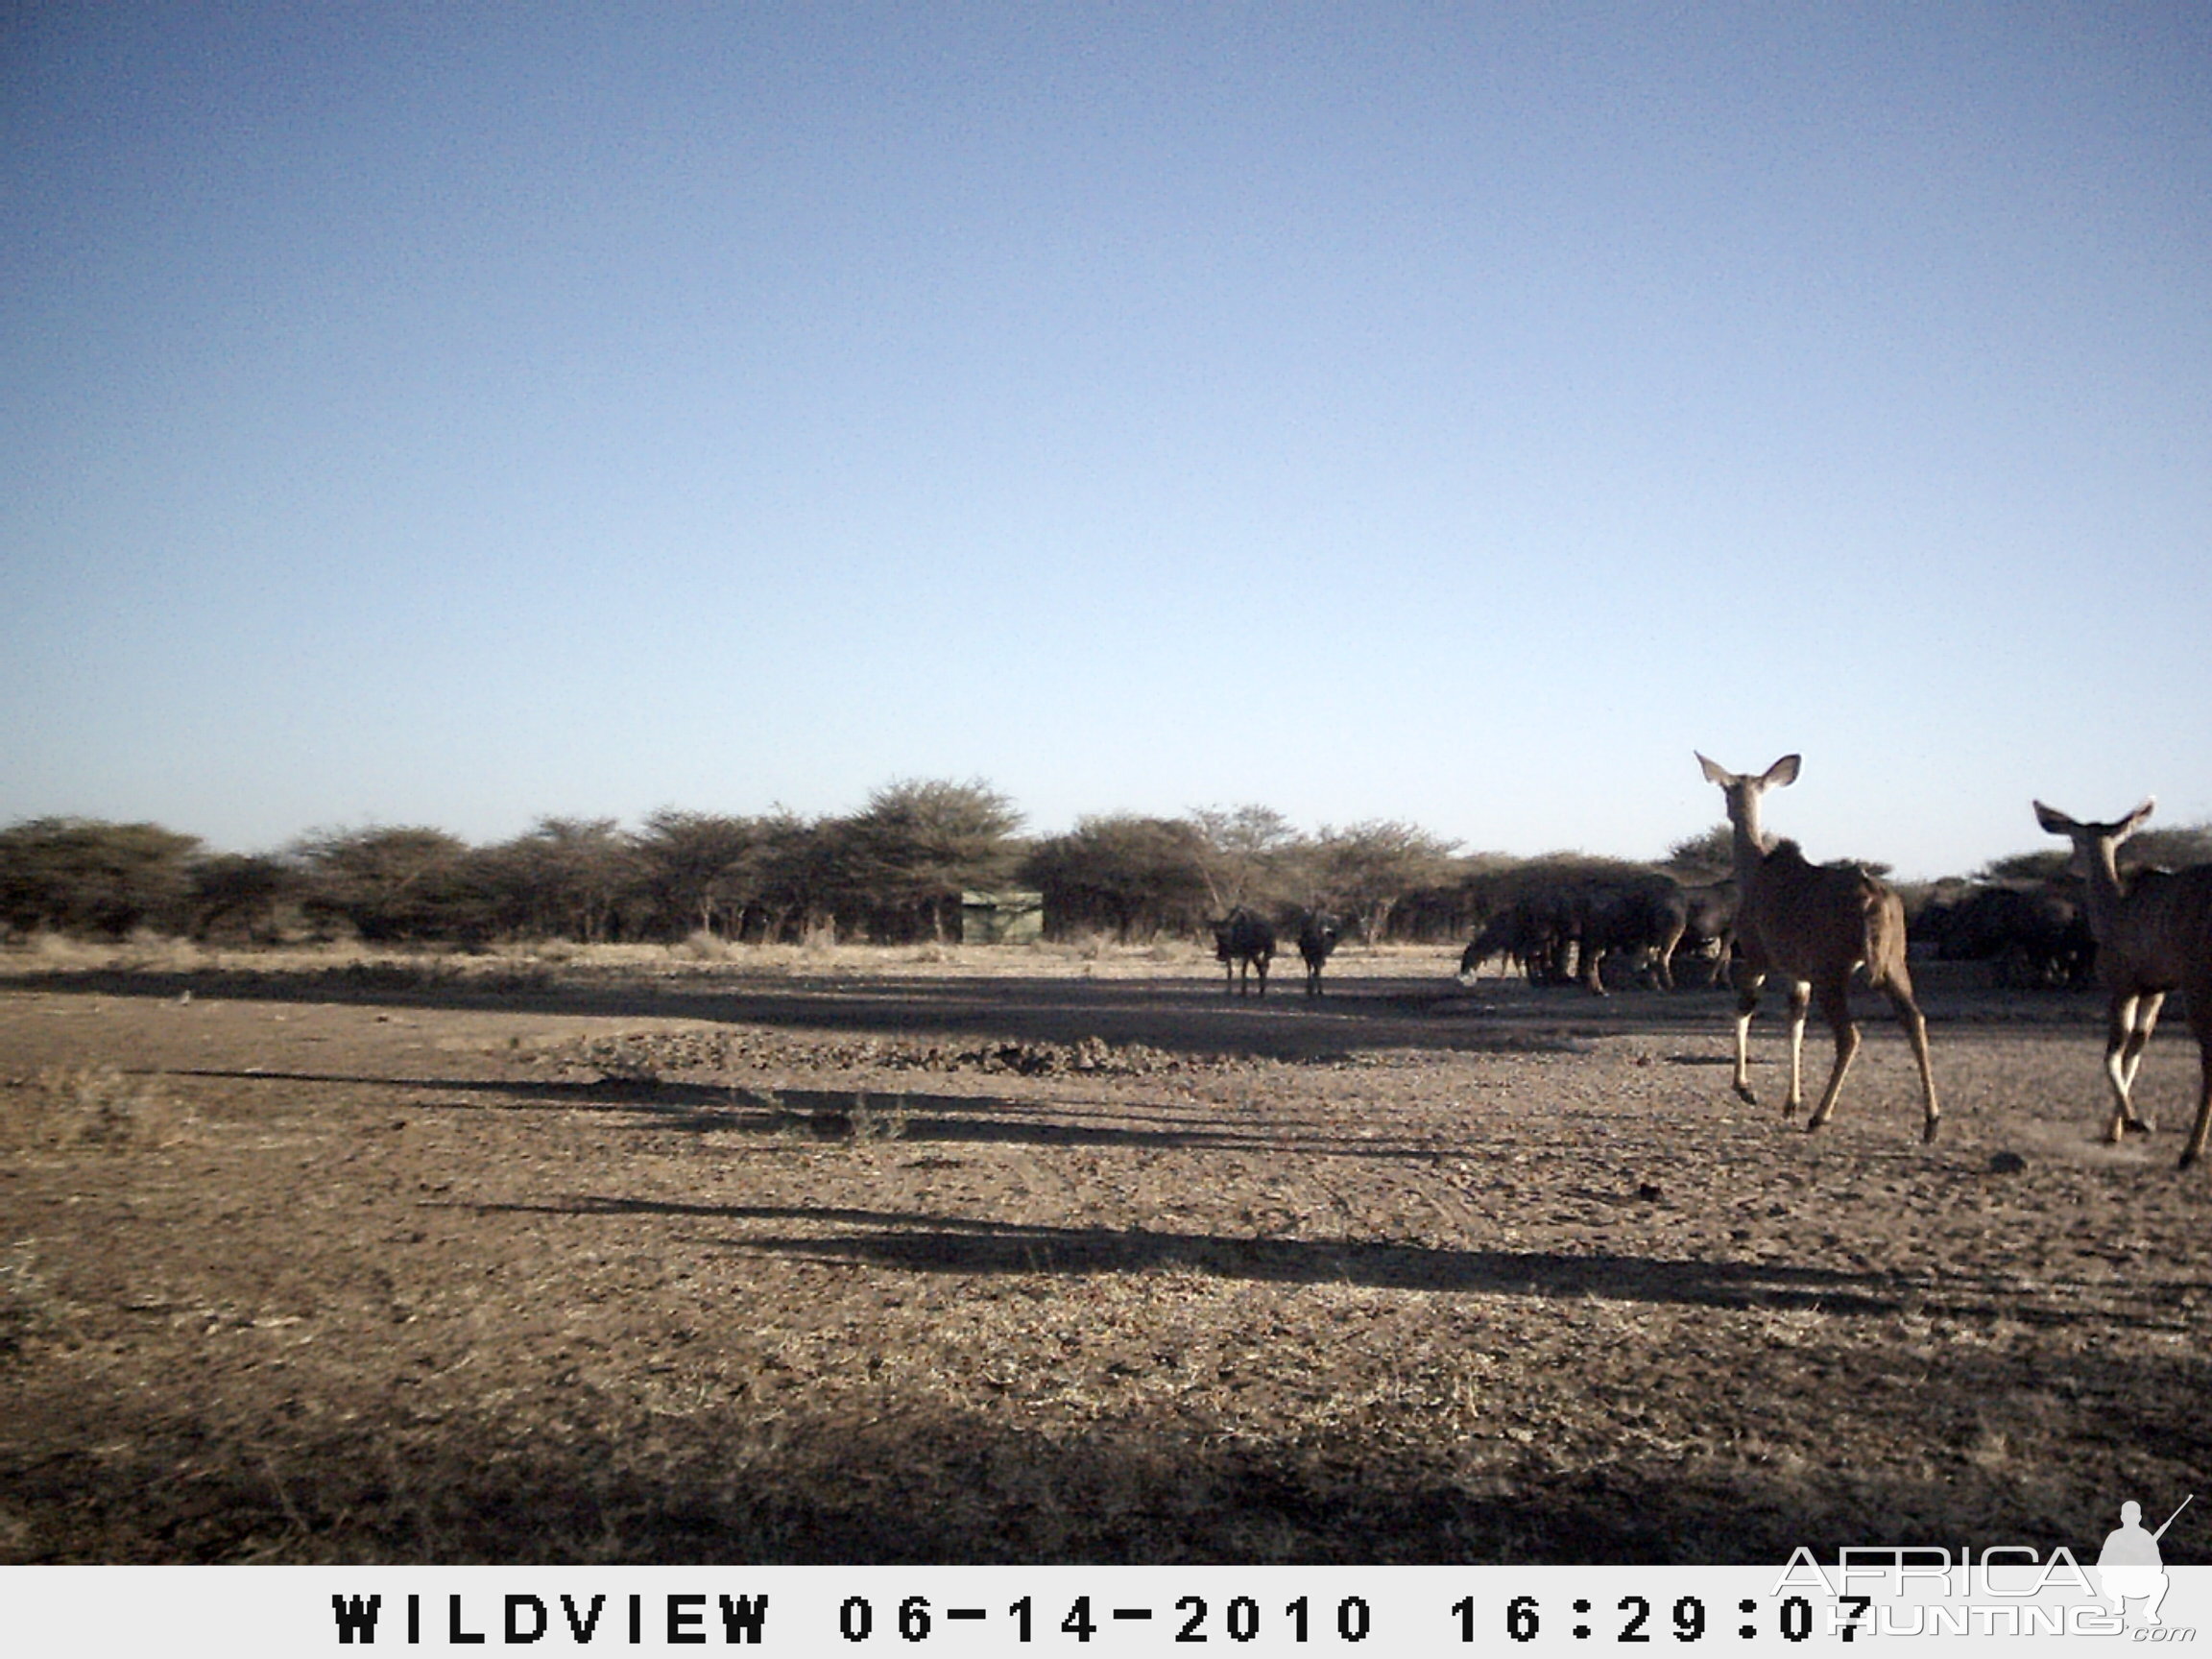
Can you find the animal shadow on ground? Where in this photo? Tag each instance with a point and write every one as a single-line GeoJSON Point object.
{"type": "Point", "coordinates": [935, 1243]}
{"type": "Point", "coordinates": [1177, 1015]}
{"type": "Point", "coordinates": [953, 1483]}
{"type": "Point", "coordinates": [663, 1106]}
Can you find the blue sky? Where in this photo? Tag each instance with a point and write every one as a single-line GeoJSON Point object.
{"type": "Point", "coordinates": [455, 415]}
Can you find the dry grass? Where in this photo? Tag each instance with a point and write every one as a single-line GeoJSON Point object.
{"type": "Point", "coordinates": [27, 1307]}
{"type": "Point", "coordinates": [96, 1105]}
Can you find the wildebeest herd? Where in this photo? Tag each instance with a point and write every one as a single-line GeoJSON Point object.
{"type": "Point", "coordinates": [2147, 934]}
{"type": "Point", "coordinates": [2030, 936]}
{"type": "Point", "coordinates": [1566, 932]}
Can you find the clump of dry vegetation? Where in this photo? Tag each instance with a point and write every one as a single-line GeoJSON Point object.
{"type": "Point", "coordinates": [93, 1105]}
{"type": "Point", "coordinates": [27, 1307]}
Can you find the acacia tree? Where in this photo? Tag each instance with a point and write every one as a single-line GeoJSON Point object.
{"type": "Point", "coordinates": [90, 875]}
{"type": "Point", "coordinates": [2044, 864]}
{"type": "Point", "coordinates": [1129, 873]}
{"type": "Point", "coordinates": [919, 843]}
{"type": "Point", "coordinates": [389, 883]}
{"type": "Point", "coordinates": [239, 890]}
{"type": "Point", "coordinates": [699, 869]}
{"type": "Point", "coordinates": [1368, 868]}
{"type": "Point", "coordinates": [797, 879]}
{"type": "Point", "coordinates": [1245, 855]}
{"type": "Point", "coordinates": [1710, 854]}
{"type": "Point", "coordinates": [1463, 896]}
{"type": "Point", "coordinates": [562, 879]}
{"type": "Point", "coordinates": [775, 877]}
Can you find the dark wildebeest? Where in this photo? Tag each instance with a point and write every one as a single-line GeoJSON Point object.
{"type": "Point", "coordinates": [1496, 937]}
{"type": "Point", "coordinates": [2153, 931]}
{"type": "Point", "coordinates": [1641, 915]}
{"type": "Point", "coordinates": [1318, 934]}
{"type": "Point", "coordinates": [1492, 939]}
{"type": "Point", "coordinates": [1531, 931]}
{"type": "Point", "coordinates": [1244, 940]}
{"type": "Point", "coordinates": [1710, 919]}
{"type": "Point", "coordinates": [2034, 936]}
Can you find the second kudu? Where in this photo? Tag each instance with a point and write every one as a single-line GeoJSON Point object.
{"type": "Point", "coordinates": [2153, 932]}
{"type": "Point", "coordinates": [1815, 925]}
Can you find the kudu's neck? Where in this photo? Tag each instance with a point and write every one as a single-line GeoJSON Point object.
{"type": "Point", "coordinates": [1750, 839]}
{"type": "Point", "coordinates": [2101, 864]}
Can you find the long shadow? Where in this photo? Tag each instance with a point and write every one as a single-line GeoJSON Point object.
{"type": "Point", "coordinates": [604, 1094]}
{"type": "Point", "coordinates": [936, 1483]}
{"type": "Point", "coordinates": [1175, 1015]}
{"type": "Point", "coordinates": [928, 1244]}
{"type": "Point", "coordinates": [1179, 1016]}
{"type": "Point", "coordinates": [847, 1113]}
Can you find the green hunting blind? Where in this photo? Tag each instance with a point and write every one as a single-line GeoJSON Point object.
{"type": "Point", "coordinates": [1007, 918]}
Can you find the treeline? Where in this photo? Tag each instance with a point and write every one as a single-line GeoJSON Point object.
{"type": "Point", "coordinates": [892, 873]}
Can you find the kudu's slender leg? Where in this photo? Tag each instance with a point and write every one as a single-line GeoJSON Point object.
{"type": "Point", "coordinates": [2128, 1023]}
{"type": "Point", "coordinates": [1915, 1026]}
{"type": "Point", "coordinates": [1800, 994]}
{"type": "Point", "coordinates": [1747, 985]}
{"type": "Point", "coordinates": [2119, 1028]}
{"type": "Point", "coordinates": [2146, 1022]}
{"type": "Point", "coordinates": [1663, 966]}
{"type": "Point", "coordinates": [1835, 1009]}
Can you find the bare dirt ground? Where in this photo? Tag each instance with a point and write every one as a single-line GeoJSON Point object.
{"type": "Point", "coordinates": [1030, 1256]}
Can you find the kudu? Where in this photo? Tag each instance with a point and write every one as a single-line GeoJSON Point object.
{"type": "Point", "coordinates": [2154, 934]}
{"type": "Point", "coordinates": [1815, 925]}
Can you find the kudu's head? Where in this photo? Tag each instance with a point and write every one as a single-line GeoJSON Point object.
{"type": "Point", "coordinates": [1742, 791]}
{"type": "Point", "coordinates": [2094, 844]}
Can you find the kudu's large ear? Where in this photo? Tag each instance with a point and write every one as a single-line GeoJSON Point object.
{"type": "Point", "coordinates": [1714, 772]}
{"type": "Point", "coordinates": [2053, 821]}
{"type": "Point", "coordinates": [2134, 820]}
{"type": "Point", "coordinates": [1783, 772]}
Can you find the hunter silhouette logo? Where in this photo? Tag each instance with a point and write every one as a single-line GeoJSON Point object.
{"type": "Point", "coordinates": [2129, 1566]}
